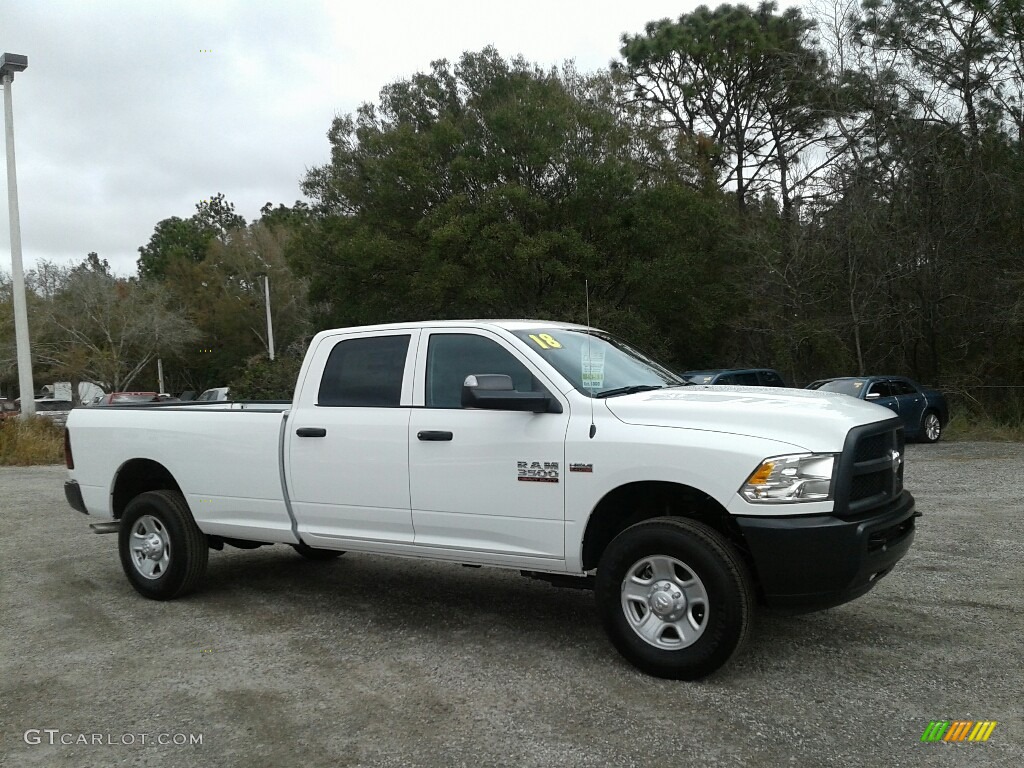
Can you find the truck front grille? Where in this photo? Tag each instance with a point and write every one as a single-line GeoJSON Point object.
{"type": "Point", "coordinates": [870, 468]}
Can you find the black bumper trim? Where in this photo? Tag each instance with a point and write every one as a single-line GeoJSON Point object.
{"type": "Point", "coordinates": [74, 496]}
{"type": "Point", "coordinates": [821, 561]}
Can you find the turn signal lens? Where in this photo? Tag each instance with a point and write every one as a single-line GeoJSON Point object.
{"type": "Point", "coordinates": [760, 477]}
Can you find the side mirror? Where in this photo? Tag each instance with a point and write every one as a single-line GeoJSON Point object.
{"type": "Point", "coordinates": [872, 396]}
{"type": "Point", "coordinates": [494, 391]}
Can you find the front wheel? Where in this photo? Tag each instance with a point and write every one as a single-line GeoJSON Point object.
{"type": "Point", "coordinates": [163, 552]}
{"type": "Point", "coordinates": [674, 597]}
{"type": "Point", "coordinates": [931, 427]}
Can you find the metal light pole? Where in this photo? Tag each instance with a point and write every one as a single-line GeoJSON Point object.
{"type": "Point", "coordinates": [270, 325]}
{"type": "Point", "coordinates": [9, 64]}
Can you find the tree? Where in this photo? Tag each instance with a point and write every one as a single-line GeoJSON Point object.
{"type": "Point", "coordinates": [265, 379]}
{"type": "Point", "coordinates": [738, 90]}
{"type": "Point", "coordinates": [217, 216]}
{"type": "Point", "coordinates": [916, 224]}
{"type": "Point", "coordinates": [176, 239]}
{"type": "Point", "coordinates": [496, 188]}
{"type": "Point", "coordinates": [104, 329]}
{"type": "Point", "coordinates": [224, 295]}
{"type": "Point", "coordinates": [946, 51]}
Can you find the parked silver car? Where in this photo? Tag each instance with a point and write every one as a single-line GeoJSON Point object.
{"type": "Point", "coordinates": [217, 393]}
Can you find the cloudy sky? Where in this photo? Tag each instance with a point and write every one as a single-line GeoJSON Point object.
{"type": "Point", "coordinates": [131, 112]}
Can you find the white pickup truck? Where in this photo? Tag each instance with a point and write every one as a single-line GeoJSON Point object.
{"type": "Point", "coordinates": [549, 448]}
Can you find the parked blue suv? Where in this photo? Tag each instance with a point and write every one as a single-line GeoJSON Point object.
{"type": "Point", "coordinates": [924, 411]}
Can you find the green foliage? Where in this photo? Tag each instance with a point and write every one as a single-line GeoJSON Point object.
{"type": "Point", "coordinates": [28, 441]}
{"type": "Point", "coordinates": [266, 379]}
{"type": "Point", "coordinates": [740, 92]}
{"type": "Point", "coordinates": [217, 216]}
{"type": "Point", "coordinates": [971, 420]}
{"type": "Point", "coordinates": [224, 296]}
{"type": "Point", "coordinates": [187, 240]}
{"type": "Point", "coordinates": [493, 188]}
{"type": "Point", "coordinates": [174, 240]}
{"type": "Point", "coordinates": [956, 45]}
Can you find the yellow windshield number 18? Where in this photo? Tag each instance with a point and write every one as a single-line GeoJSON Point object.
{"type": "Point", "coordinates": [545, 341]}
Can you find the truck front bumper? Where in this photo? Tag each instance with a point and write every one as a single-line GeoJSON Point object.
{"type": "Point", "coordinates": [820, 561]}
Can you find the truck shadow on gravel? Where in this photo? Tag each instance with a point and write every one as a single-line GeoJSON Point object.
{"type": "Point", "coordinates": [395, 589]}
{"type": "Point", "coordinates": [367, 599]}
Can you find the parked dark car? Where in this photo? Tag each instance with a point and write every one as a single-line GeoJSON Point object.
{"type": "Point", "coordinates": [750, 377]}
{"type": "Point", "coordinates": [923, 410]}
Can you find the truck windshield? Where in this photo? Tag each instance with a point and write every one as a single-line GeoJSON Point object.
{"type": "Point", "coordinates": [598, 365]}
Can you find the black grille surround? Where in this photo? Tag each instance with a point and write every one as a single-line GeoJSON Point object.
{"type": "Point", "coordinates": [870, 474]}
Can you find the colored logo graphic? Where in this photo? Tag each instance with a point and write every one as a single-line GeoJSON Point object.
{"type": "Point", "coordinates": [958, 730]}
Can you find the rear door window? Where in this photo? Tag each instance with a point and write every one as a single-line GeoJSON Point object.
{"type": "Point", "coordinates": [902, 388]}
{"type": "Point", "coordinates": [365, 372]}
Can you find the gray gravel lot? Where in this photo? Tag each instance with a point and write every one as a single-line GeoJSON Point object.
{"type": "Point", "coordinates": [372, 661]}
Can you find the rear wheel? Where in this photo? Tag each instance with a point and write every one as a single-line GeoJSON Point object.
{"type": "Point", "coordinates": [674, 597]}
{"type": "Point", "coordinates": [163, 552]}
{"type": "Point", "coordinates": [931, 427]}
{"type": "Point", "coordinates": [311, 553]}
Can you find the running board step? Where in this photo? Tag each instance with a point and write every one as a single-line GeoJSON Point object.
{"type": "Point", "coordinates": [112, 527]}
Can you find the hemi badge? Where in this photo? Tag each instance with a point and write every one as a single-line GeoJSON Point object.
{"type": "Point", "coordinates": [581, 467]}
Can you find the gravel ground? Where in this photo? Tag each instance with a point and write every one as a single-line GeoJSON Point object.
{"type": "Point", "coordinates": [369, 661]}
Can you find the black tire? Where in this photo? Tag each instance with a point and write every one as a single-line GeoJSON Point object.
{"type": "Point", "coordinates": [931, 427]}
{"type": "Point", "coordinates": [690, 549]}
{"type": "Point", "coordinates": [165, 515]}
{"type": "Point", "coordinates": [318, 555]}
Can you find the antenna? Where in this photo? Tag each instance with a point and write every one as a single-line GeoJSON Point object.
{"type": "Point", "coordinates": [590, 359]}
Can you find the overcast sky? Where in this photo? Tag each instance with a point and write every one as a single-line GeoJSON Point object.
{"type": "Point", "coordinates": [131, 112]}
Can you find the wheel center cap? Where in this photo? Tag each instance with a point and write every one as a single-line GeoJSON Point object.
{"type": "Point", "coordinates": [154, 546]}
{"type": "Point", "coordinates": [666, 599]}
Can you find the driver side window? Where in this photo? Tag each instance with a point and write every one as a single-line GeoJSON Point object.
{"type": "Point", "coordinates": [880, 388]}
{"type": "Point", "coordinates": [451, 357]}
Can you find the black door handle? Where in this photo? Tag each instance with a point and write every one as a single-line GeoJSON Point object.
{"type": "Point", "coordinates": [434, 435]}
{"type": "Point", "coordinates": [311, 432]}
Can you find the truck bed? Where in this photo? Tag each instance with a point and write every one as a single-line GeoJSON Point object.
{"type": "Point", "coordinates": [225, 456]}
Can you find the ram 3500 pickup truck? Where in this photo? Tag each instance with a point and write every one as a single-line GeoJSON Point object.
{"type": "Point", "coordinates": [550, 448]}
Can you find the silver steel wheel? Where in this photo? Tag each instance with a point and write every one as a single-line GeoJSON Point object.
{"type": "Point", "coordinates": [932, 427]}
{"type": "Point", "coordinates": [150, 547]}
{"type": "Point", "coordinates": [665, 602]}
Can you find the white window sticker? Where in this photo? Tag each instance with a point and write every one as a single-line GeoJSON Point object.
{"type": "Point", "coordinates": [592, 366]}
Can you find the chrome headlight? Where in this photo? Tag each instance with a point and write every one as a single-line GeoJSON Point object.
{"type": "Point", "coordinates": [800, 477]}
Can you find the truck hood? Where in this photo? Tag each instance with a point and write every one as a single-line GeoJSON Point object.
{"type": "Point", "coordinates": [806, 419]}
